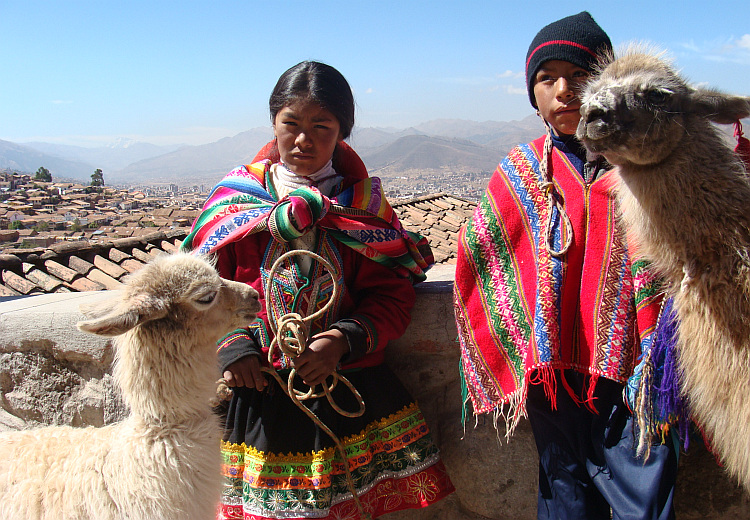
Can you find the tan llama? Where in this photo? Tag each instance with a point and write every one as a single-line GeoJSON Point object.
{"type": "Point", "coordinates": [685, 200]}
{"type": "Point", "coordinates": [161, 462]}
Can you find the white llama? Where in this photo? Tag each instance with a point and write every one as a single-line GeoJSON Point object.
{"type": "Point", "coordinates": [161, 462]}
{"type": "Point", "coordinates": [685, 199]}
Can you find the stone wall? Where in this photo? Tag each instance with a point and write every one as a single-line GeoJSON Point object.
{"type": "Point", "coordinates": [50, 373]}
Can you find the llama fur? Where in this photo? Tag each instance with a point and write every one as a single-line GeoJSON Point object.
{"type": "Point", "coordinates": [163, 460]}
{"type": "Point", "coordinates": [684, 197]}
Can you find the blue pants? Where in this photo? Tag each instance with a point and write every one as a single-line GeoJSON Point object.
{"type": "Point", "coordinates": [588, 468]}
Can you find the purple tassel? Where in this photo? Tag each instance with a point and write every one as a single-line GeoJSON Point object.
{"type": "Point", "coordinates": [669, 403]}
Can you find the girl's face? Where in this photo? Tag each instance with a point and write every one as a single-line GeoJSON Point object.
{"type": "Point", "coordinates": [306, 134]}
{"type": "Point", "coordinates": [556, 87]}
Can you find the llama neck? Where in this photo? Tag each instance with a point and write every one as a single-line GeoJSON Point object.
{"type": "Point", "coordinates": [688, 217]}
{"type": "Point", "coordinates": [165, 382]}
{"type": "Point", "coordinates": [694, 203]}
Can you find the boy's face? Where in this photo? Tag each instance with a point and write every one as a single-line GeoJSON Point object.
{"type": "Point", "coordinates": [556, 86]}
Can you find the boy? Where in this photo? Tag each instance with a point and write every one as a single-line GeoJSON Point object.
{"type": "Point", "coordinates": [551, 309]}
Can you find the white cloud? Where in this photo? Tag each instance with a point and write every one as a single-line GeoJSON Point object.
{"type": "Point", "coordinates": [730, 50]}
{"type": "Point", "coordinates": [369, 90]}
{"type": "Point", "coordinates": [483, 80]}
{"type": "Point", "coordinates": [510, 74]}
{"type": "Point", "coordinates": [60, 102]}
{"type": "Point", "coordinates": [690, 46]}
{"type": "Point", "coordinates": [512, 89]}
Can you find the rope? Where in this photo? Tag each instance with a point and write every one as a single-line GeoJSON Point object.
{"type": "Point", "coordinates": [291, 332]}
{"type": "Point", "coordinates": [548, 187]}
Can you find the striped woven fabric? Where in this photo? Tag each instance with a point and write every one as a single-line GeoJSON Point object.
{"type": "Point", "coordinates": [360, 218]}
{"type": "Point", "coordinates": [393, 462]}
{"type": "Point", "coordinates": [519, 309]}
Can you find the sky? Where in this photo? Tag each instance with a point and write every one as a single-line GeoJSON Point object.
{"type": "Point", "coordinates": [192, 72]}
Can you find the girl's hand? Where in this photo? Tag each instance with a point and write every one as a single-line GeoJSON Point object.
{"type": "Point", "coordinates": [321, 356]}
{"type": "Point", "coordinates": [246, 372]}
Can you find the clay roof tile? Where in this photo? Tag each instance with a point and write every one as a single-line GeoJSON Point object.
{"type": "Point", "coordinates": [131, 265]}
{"type": "Point", "coordinates": [104, 279]}
{"type": "Point", "coordinates": [19, 283]}
{"type": "Point", "coordinates": [47, 282]}
{"type": "Point", "coordinates": [110, 268]}
{"type": "Point", "coordinates": [141, 255]}
{"type": "Point", "coordinates": [82, 284]}
{"type": "Point", "coordinates": [7, 291]}
{"type": "Point", "coordinates": [79, 264]}
{"type": "Point", "coordinates": [118, 256]}
{"type": "Point", "coordinates": [60, 271]}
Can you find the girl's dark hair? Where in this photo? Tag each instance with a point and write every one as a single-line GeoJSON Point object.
{"type": "Point", "coordinates": [315, 81]}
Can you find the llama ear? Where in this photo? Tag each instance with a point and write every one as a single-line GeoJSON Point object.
{"type": "Point", "coordinates": [718, 107]}
{"type": "Point", "coordinates": [116, 316]}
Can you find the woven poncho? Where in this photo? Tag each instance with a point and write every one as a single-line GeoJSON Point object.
{"type": "Point", "coordinates": [360, 217]}
{"type": "Point", "coordinates": [520, 310]}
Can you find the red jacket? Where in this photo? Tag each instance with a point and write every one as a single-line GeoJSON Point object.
{"type": "Point", "coordinates": [372, 296]}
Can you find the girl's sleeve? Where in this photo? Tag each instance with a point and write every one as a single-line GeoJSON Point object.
{"type": "Point", "coordinates": [241, 342]}
{"type": "Point", "coordinates": [383, 302]}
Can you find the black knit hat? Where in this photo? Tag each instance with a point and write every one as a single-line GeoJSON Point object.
{"type": "Point", "coordinates": [577, 39]}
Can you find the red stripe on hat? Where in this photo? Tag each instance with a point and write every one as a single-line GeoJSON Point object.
{"type": "Point", "coordinates": [560, 42]}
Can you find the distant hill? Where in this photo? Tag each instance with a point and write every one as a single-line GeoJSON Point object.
{"type": "Point", "coordinates": [485, 132]}
{"type": "Point", "coordinates": [109, 158]}
{"type": "Point", "coordinates": [24, 158]}
{"type": "Point", "coordinates": [366, 139]}
{"type": "Point", "coordinates": [435, 146]}
{"type": "Point", "coordinates": [422, 152]}
{"type": "Point", "coordinates": [202, 164]}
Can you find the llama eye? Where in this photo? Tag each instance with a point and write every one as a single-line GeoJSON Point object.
{"type": "Point", "coordinates": [657, 97]}
{"type": "Point", "coordinates": [208, 298]}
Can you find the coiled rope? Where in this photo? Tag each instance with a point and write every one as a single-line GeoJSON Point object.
{"type": "Point", "coordinates": [291, 333]}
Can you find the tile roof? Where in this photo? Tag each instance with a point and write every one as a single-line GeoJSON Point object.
{"type": "Point", "coordinates": [78, 266]}
{"type": "Point", "coordinates": [438, 217]}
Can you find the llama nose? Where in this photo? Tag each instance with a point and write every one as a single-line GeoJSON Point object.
{"type": "Point", "coordinates": [596, 123]}
{"type": "Point", "coordinates": [594, 114]}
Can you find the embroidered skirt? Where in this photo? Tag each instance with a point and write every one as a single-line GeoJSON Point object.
{"type": "Point", "coordinates": [277, 463]}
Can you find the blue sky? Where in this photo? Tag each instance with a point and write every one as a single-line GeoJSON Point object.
{"type": "Point", "coordinates": [166, 72]}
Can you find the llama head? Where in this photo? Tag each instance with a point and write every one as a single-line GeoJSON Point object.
{"type": "Point", "coordinates": [175, 292]}
{"type": "Point", "coordinates": [635, 109]}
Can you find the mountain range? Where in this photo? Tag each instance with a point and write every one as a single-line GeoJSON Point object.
{"type": "Point", "coordinates": [444, 145]}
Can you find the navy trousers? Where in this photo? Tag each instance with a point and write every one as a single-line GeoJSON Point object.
{"type": "Point", "coordinates": [588, 468]}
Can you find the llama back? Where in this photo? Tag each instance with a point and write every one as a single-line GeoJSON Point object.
{"type": "Point", "coordinates": [53, 455]}
{"type": "Point", "coordinates": [71, 462]}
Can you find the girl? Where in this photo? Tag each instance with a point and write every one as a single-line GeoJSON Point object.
{"type": "Point", "coordinates": [277, 463]}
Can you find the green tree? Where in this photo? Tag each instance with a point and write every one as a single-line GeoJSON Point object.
{"type": "Point", "coordinates": [76, 226]}
{"type": "Point", "coordinates": [42, 226]}
{"type": "Point", "coordinates": [43, 174]}
{"type": "Point", "coordinates": [97, 178]}
{"type": "Point", "coordinates": [16, 224]}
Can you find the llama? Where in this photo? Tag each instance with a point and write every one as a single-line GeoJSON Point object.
{"type": "Point", "coordinates": [685, 201]}
{"type": "Point", "coordinates": [163, 460]}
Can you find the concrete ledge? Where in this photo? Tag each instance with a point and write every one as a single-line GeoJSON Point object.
{"type": "Point", "coordinates": [52, 373]}
{"type": "Point", "coordinates": [50, 319]}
